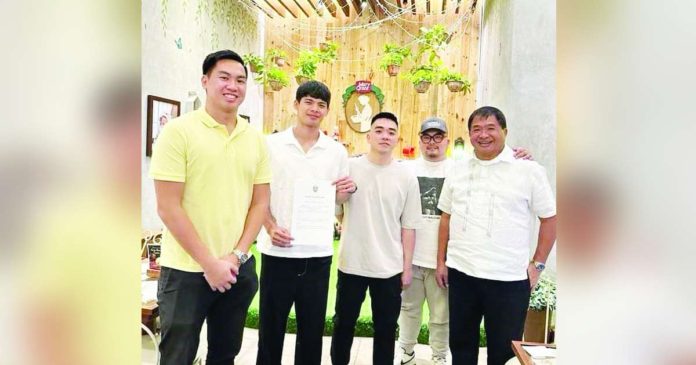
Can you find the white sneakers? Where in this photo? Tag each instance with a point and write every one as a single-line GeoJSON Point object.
{"type": "Point", "coordinates": [410, 358]}
{"type": "Point", "coordinates": [406, 358]}
{"type": "Point", "coordinates": [439, 360]}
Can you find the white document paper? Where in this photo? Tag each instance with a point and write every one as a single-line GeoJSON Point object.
{"type": "Point", "coordinates": [540, 352]}
{"type": "Point", "coordinates": [313, 209]}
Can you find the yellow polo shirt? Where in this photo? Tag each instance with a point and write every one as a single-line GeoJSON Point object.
{"type": "Point", "coordinates": [219, 171]}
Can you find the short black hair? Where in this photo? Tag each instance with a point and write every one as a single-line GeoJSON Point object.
{"type": "Point", "coordinates": [212, 59]}
{"type": "Point", "coordinates": [384, 115]}
{"type": "Point", "coordinates": [314, 89]}
{"type": "Point", "coordinates": [485, 112]}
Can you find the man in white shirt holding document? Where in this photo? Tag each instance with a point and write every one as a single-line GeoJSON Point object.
{"type": "Point", "coordinates": [310, 176]}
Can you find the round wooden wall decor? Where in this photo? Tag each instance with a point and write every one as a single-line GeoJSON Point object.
{"type": "Point", "coordinates": [360, 102]}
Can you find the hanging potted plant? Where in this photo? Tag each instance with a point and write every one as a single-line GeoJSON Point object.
{"type": "Point", "coordinates": [421, 77]}
{"type": "Point", "coordinates": [455, 81]}
{"type": "Point", "coordinates": [431, 41]}
{"type": "Point", "coordinates": [276, 78]}
{"type": "Point", "coordinates": [393, 58]}
{"type": "Point", "coordinates": [542, 305]}
{"type": "Point", "coordinates": [327, 52]}
{"type": "Point", "coordinates": [254, 62]}
{"type": "Point", "coordinates": [277, 56]}
{"type": "Point", "coordinates": [306, 66]}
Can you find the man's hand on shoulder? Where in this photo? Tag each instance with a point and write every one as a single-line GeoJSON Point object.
{"type": "Point", "coordinates": [521, 153]}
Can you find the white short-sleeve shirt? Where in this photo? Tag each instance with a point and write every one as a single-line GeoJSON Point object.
{"type": "Point", "coordinates": [387, 200]}
{"type": "Point", "coordinates": [326, 160]}
{"type": "Point", "coordinates": [431, 176]}
{"type": "Point", "coordinates": [493, 205]}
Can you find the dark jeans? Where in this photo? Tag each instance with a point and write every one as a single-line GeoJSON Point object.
{"type": "Point", "coordinates": [284, 281]}
{"type": "Point", "coordinates": [502, 304]}
{"type": "Point", "coordinates": [186, 300]}
{"type": "Point", "coordinates": [386, 305]}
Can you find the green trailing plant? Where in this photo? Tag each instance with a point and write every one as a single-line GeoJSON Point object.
{"type": "Point", "coordinates": [236, 17]}
{"type": "Point", "coordinates": [394, 55]}
{"type": "Point", "coordinates": [431, 41]}
{"type": "Point", "coordinates": [276, 74]}
{"type": "Point", "coordinates": [447, 75]}
{"type": "Point", "coordinates": [327, 53]}
{"type": "Point", "coordinates": [454, 80]}
{"type": "Point", "coordinates": [422, 73]}
{"type": "Point", "coordinates": [544, 295]}
{"type": "Point", "coordinates": [274, 53]}
{"type": "Point", "coordinates": [306, 64]}
{"type": "Point", "coordinates": [255, 62]}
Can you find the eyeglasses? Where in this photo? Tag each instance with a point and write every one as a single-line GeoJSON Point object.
{"type": "Point", "coordinates": [437, 138]}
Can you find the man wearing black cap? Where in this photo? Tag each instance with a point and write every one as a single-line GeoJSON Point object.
{"type": "Point", "coordinates": [431, 170]}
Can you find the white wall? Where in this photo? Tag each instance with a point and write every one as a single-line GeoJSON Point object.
{"type": "Point", "coordinates": [170, 72]}
{"type": "Point", "coordinates": [518, 74]}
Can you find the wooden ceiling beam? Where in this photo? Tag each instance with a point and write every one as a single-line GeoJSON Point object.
{"type": "Point", "coordinates": [328, 4]}
{"type": "Point", "coordinates": [401, 4]}
{"type": "Point", "coordinates": [287, 5]}
{"type": "Point", "coordinates": [277, 8]}
{"type": "Point", "coordinates": [262, 6]}
{"type": "Point", "coordinates": [305, 12]}
{"type": "Point", "coordinates": [357, 4]}
{"type": "Point", "coordinates": [376, 9]}
{"type": "Point", "coordinates": [344, 7]}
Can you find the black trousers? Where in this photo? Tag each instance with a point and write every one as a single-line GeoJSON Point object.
{"type": "Point", "coordinates": [503, 306]}
{"type": "Point", "coordinates": [186, 300]}
{"type": "Point", "coordinates": [386, 305]}
{"type": "Point", "coordinates": [284, 281]}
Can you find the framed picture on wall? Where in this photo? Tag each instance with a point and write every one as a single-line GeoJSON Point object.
{"type": "Point", "coordinates": [159, 112]}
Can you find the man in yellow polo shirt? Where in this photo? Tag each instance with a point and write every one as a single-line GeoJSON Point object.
{"type": "Point", "coordinates": [212, 174]}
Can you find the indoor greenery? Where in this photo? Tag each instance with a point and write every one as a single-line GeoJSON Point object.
{"type": "Point", "coordinates": [422, 73]}
{"type": "Point", "coordinates": [306, 64]}
{"type": "Point", "coordinates": [327, 52]}
{"type": "Point", "coordinates": [447, 75]}
{"type": "Point", "coordinates": [363, 327]}
{"type": "Point", "coordinates": [255, 62]}
{"type": "Point", "coordinates": [273, 53]}
{"type": "Point", "coordinates": [276, 75]}
{"type": "Point", "coordinates": [431, 41]}
{"type": "Point", "coordinates": [393, 55]}
{"type": "Point", "coordinates": [308, 61]}
{"type": "Point", "coordinates": [455, 81]}
{"type": "Point", "coordinates": [544, 295]}
{"type": "Point", "coordinates": [236, 17]}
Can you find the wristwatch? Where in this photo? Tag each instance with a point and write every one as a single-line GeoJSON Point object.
{"type": "Point", "coordinates": [242, 256]}
{"type": "Point", "coordinates": [539, 266]}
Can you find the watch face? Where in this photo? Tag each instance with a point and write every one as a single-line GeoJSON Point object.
{"type": "Point", "coordinates": [540, 267]}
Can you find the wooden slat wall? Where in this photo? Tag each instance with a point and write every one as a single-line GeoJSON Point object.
{"type": "Point", "coordinates": [358, 59]}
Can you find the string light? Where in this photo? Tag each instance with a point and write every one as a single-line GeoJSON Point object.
{"type": "Point", "coordinates": [395, 15]}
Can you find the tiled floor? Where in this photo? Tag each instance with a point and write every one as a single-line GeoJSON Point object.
{"type": "Point", "coordinates": [361, 354]}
